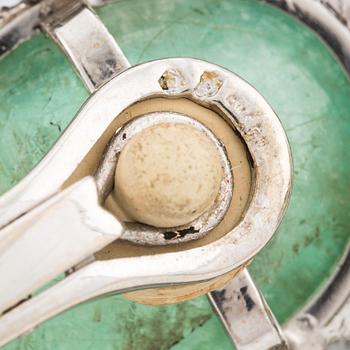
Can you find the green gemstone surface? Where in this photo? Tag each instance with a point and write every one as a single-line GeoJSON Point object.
{"type": "Point", "coordinates": [288, 64]}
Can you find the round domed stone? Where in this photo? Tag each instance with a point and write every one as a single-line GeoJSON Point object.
{"type": "Point", "coordinates": [168, 175]}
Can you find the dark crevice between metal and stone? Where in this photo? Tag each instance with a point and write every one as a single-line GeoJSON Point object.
{"type": "Point", "coordinates": [168, 235]}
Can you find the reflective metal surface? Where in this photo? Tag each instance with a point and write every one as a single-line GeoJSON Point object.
{"type": "Point", "coordinates": [88, 64]}
{"type": "Point", "coordinates": [93, 51]}
{"type": "Point", "coordinates": [38, 246]}
{"type": "Point", "coordinates": [246, 315]}
{"type": "Point", "coordinates": [243, 107]}
{"type": "Point", "coordinates": [20, 20]}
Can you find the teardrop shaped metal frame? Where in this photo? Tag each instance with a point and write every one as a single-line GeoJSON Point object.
{"type": "Point", "coordinates": [206, 84]}
{"type": "Point", "coordinates": [244, 108]}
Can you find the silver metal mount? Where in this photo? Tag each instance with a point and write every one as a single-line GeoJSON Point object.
{"type": "Point", "coordinates": [36, 198]}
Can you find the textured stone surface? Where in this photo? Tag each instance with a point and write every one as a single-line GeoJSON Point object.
{"type": "Point", "coordinates": [288, 64]}
{"type": "Point", "coordinates": [168, 175]}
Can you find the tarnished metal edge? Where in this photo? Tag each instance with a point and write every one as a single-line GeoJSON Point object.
{"type": "Point", "coordinates": [93, 51]}
{"type": "Point", "coordinates": [245, 109]}
{"type": "Point", "coordinates": [20, 22]}
{"type": "Point", "coordinates": [144, 234]}
{"type": "Point", "coordinates": [17, 26]}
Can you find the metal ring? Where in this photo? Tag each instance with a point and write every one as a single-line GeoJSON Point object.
{"type": "Point", "coordinates": [149, 235]}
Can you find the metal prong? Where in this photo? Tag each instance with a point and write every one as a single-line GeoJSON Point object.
{"type": "Point", "coordinates": [93, 51]}
{"type": "Point", "coordinates": [55, 236]}
{"type": "Point", "coordinates": [246, 315]}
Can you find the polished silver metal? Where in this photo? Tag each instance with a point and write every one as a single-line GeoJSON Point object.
{"type": "Point", "coordinates": [56, 235]}
{"type": "Point", "coordinates": [325, 322]}
{"type": "Point", "coordinates": [97, 61]}
{"type": "Point", "coordinates": [148, 235]}
{"type": "Point", "coordinates": [93, 51]}
{"type": "Point", "coordinates": [240, 105]}
{"type": "Point", "coordinates": [256, 123]}
{"type": "Point", "coordinates": [246, 315]}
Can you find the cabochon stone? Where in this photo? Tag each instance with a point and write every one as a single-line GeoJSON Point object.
{"type": "Point", "coordinates": [168, 175]}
